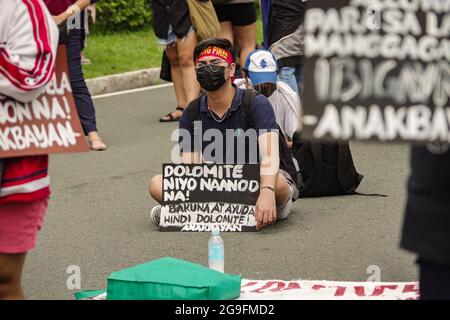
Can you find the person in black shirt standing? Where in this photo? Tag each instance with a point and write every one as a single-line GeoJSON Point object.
{"type": "Point", "coordinates": [426, 229]}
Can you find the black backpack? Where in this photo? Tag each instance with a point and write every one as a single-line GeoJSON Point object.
{"type": "Point", "coordinates": [193, 110]}
{"type": "Point", "coordinates": [327, 169]}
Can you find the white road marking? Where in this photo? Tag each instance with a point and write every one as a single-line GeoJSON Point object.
{"type": "Point", "coordinates": [112, 94]}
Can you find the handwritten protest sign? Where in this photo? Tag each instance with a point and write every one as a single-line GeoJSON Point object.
{"type": "Point", "coordinates": [49, 124]}
{"type": "Point", "coordinates": [377, 70]}
{"type": "Point", "coordinates": [206, 196]}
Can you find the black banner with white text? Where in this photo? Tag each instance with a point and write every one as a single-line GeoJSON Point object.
{"type": "Point", "coordinates": [377, 70]}
{"type": "Point", "coordinates": [206, 196]}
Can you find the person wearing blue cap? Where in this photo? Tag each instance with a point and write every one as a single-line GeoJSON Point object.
{"type": "Point", "coordinates": [261, 71]}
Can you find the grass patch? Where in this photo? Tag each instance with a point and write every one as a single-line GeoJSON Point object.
{"type": "Point", "coordinates": [121, 52]}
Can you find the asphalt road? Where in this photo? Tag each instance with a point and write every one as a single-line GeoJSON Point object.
{"type": "Point", "coordinates": [98, 217]}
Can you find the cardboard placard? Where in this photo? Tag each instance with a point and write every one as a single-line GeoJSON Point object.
{"type": "Point", "coordinates": [200, 197]}
{"type": "Point", "coordinates": [377, 70]}
{"type": "Point", "coordinates": [48, 124]}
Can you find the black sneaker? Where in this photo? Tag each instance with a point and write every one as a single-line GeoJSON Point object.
{"type": "Point", "coordinates": [155, 215]}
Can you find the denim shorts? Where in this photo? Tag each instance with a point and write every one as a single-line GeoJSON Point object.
{"type": "Point", "coordinates": [172, 37]}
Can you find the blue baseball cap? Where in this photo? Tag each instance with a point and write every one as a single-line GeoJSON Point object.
{"type": "Point", "coordinates": [261, 67]}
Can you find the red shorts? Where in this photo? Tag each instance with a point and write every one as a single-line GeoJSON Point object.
{"type": "Point", "coordinates": [19, 225]}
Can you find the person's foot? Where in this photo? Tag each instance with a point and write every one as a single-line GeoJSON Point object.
{"type": "Point", "coordinates": [173, 116]}
{"type": "Point", "coordinates": [155, 215]}
{"type": "Point", "coordinates": [96, 142]}
{"type": "Point", "coordinates": [85, 61]}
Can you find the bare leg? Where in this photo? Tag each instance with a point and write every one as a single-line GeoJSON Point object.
{"type": "Point", "coordinates": [155, 188]}
{"type": "Point", "coordinates": [177, 76]}
{"type": "Point", "coordinates": [11, 267]}
{"type": "Point", "coordinates": [226, 31]}
{"type": "Point", "coordinates": [246, 37]}
{"type": "Point", "coordinates": [185, 48]}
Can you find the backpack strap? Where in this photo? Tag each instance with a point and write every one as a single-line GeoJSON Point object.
{"type": "Point", "coordinates": [317, 170]}
{"type": "Point", "coordinates": [247, 102]}
{"type": "Point", "coordinates": [193, 110]}
{"type": "Point", "coordinates": [348, 176]}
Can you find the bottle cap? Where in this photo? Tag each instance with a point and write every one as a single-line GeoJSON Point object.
{"type": "Point", "coordinates": [215, 232]}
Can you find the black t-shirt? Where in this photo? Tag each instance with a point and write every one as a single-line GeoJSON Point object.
{"type": "Point", "coordinates": [285, 17]}
{"type": "Point", "coordinates": [173, 13]}
{"type": "Point", "coordinates": [426, 230]}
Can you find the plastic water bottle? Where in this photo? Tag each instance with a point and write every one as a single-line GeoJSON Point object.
{"type": "Point", "coordinates": [216, 253]}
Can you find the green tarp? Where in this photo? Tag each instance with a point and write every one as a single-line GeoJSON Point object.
{"type": "Point", "coordinates": [88, 294]}
{"type": "Point", "coordinates": [172, 279]}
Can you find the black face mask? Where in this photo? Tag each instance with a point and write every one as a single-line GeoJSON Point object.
{"type": "Point", "coordinates": [266, 89]}
{"type": "Point", "coordinates": [211, 80]}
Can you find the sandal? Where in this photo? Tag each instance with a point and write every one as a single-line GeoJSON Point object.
{"type": "Point", "coordinates": [171, 117]}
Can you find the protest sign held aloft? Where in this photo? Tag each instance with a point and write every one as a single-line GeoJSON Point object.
{"type": "Point", "coordinates": [48, 124]}
{"type": "Point", "coordinates": [377, 70]}
{"type": "Point", "coordinates": [207, 196]}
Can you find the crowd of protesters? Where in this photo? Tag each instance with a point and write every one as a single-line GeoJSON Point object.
{"type": "Point", "coordinates": [226, 66]}
{"type": "Point", "coordinates": [276, 71]}
{"type": "Point", "coordinates": [282, 22]}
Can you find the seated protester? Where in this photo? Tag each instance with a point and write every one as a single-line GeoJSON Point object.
{"type": "Point", "coordinates": [261, 70]}
{"type": "Point", "coordinates": [221, 108]}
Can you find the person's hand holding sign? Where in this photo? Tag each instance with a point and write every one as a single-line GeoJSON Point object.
{"type": "Point", "coordinates": [72, 11]}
